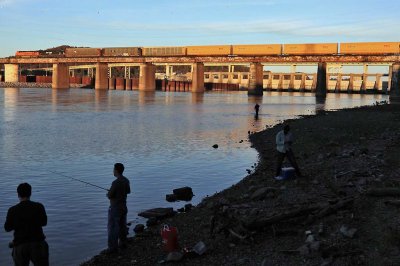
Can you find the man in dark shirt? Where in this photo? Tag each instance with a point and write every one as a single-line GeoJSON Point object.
{"type": "Point", "coordinates": [26, 219]}
{"type": "Point", "coordinates": [117, 212]}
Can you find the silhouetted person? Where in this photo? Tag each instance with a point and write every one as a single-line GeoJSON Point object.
{"type": "Point", "coordinates": [118, 210]}
{"type": "Point", "coordinates": [257, 108]}
{"type": "Point", "coordinates": [26, 219]}
{"type": "Point", "coordinates": [284, 140]}
{"type": "Point", "coordinates": [166, 82]}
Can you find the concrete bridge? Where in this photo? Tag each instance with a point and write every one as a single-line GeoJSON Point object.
{"type": "Point", "coordinates": [257, 78]}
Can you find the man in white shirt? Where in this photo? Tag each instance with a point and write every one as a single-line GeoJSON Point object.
{"type": "Point", "coordinates": [284, 140]}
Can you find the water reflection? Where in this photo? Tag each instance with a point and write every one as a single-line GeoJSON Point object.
{"type": "Point", "coordinates": [197, 98]}
{"type": "Point", "coordinates": [146, 97]}
{"type": "Point", "coordinates": [320, 104]}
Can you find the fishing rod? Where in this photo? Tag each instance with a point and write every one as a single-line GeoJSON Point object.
{"type": "Point", "coordinates": [73, 178]}
{"type": "Point", "coordinates": [76, 179]}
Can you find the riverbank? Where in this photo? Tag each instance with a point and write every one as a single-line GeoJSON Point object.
{"type": "Point", "coordinates": [344, 155]}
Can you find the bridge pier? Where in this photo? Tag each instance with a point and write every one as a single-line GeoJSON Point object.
{"type": "Point", "coordinates": [350, 88]}
{"type": "Point", "coordinates": [60, 78]}
{"type": "Point", "coordinates": [338, 83]}
{"type": "Point", "coordinates": [101, 76]}
{"type": "Point", "coordinates": [11, 72]}
{"type": "Point", "coordinates": [256, 79]}
{"type": "Point", "coordinates": [303, 82]}
{"type": "Point", "coordinates": [198, 77]}
{"type": "Point", "coordinates": [321, 80]}
{"type": "Point", "coordinates": [395, 83]}
{"type": "Point", "coordinates": [147, 77]}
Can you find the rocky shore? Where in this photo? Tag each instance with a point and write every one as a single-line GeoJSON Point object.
{"type": "Point", "coordinates": [344, 211]}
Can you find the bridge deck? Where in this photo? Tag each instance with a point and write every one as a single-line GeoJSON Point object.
{"type": "Point", "coordinates": [210, 59]}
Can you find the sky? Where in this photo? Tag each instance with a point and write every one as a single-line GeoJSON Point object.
{"type": "Point", "coordinates": [41, 24]}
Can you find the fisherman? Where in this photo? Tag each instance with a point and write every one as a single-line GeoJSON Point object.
{"type": "Point", "coordinates": [166, 82]}
{"type": "Point", "coordinates": [256, 108]}
{"type": "Point", "coordinates": [284, 140]}
{"type": "Point", "coordinates": [118, 210]}
{"type": "Point", "coordinates": [27, 219]}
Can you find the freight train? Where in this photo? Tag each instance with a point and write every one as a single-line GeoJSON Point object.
{"type": "Point", "coordinates": [366, 48]}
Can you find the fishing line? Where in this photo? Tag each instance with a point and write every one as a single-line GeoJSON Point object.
{"type": "Point", "coordinates": [70, 177]}
{"type": "Point", "coordinates": [76, 179]}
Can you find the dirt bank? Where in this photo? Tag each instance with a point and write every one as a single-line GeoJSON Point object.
{"type": "Point", "coordinates": [262, 221]}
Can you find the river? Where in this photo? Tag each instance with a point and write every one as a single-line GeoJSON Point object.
{"type": "Point", "coordinates": [164, 139]}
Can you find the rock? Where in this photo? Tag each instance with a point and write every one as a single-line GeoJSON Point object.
{"type": "Point", "coordinates": [139, 228]}
{"type": "Point", "coordinates": [314, 246]}
{"type": "Point", "coordinates": [241, 141]}
{"type": "Point", "coordinates": [304, 250]}
{"type": "Point", "coordinates": [215, 146]}
{"type": "Point", "coordinates": [157, 213]}
{"type": "Point", "coordinates": [181, 210]}
{"type": "Point", "coordinates": [310, 238]}
{"type": "Point", "coordinates": [170, 197]}
{"type": "Point", "coordinates": [267, 262]}
{"type": "Point", "coordinates": [152, 221]}
{"type": "Point", "coordinates": [347, 232]}
{"type": "Point", "coordinates": [174, 256]}
{"type": "Point", "coordinates": [188, 207]}
{"type": "Point", "coordinates": [315, 182]}
{"type": "Point", "coordinates": [262, 193]}
{"type": "Point", "coordinates": [327, 261]}
{"type": "Point", "coordinates": [183, 193]}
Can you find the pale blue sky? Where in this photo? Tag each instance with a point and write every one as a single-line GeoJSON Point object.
{"type": "Point", "coordinates": [36, 24]}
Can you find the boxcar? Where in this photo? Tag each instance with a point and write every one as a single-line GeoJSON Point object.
{"type": "Point", "coordinates": [122, 51]}
{"type": "Point", "coordinates": [209, 50]}
{"type": "Point", "coordinates": [310, 49]}
{"type": "Point", "coordinates": [82, 52]}
{"type": "Point", "coordinates": [370, 48]}
{"type": "Point", "coordinates": [257, 49]}
{"type": "Point", "coordinates": [164, 51]}
{"type": "Point", "coordinates": [27, 53]}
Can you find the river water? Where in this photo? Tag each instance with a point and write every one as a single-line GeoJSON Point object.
{"type": "Point", "coordinates": [164, 139]}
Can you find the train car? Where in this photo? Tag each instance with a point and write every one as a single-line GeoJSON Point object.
{"type": "Point", "coordinates": [122, 51]}
{"type": "Point", "coordinates": [164, 51]}
{"type": "Point", "coordinates": [310, 49]}
{"type": "Point", "coordinates": [370, 48]}
{"type": "Point", "coordinates": [27, 54]}
{"type": "Point", "coordinates": [82, 52]}
{"type": "Point", "coordinates": [257, 49]}
{"type": "Point", "coordinates": [212, 50]}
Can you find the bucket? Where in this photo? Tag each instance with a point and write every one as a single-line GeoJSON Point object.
{"type": "Point", "coordinates": [169, 235]}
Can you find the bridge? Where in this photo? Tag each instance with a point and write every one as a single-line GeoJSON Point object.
{"type": "Point", "coordinates": [256, 78]}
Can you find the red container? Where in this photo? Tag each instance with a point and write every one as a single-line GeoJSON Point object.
{"type": "Point", "coordinates": [169, 235]}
